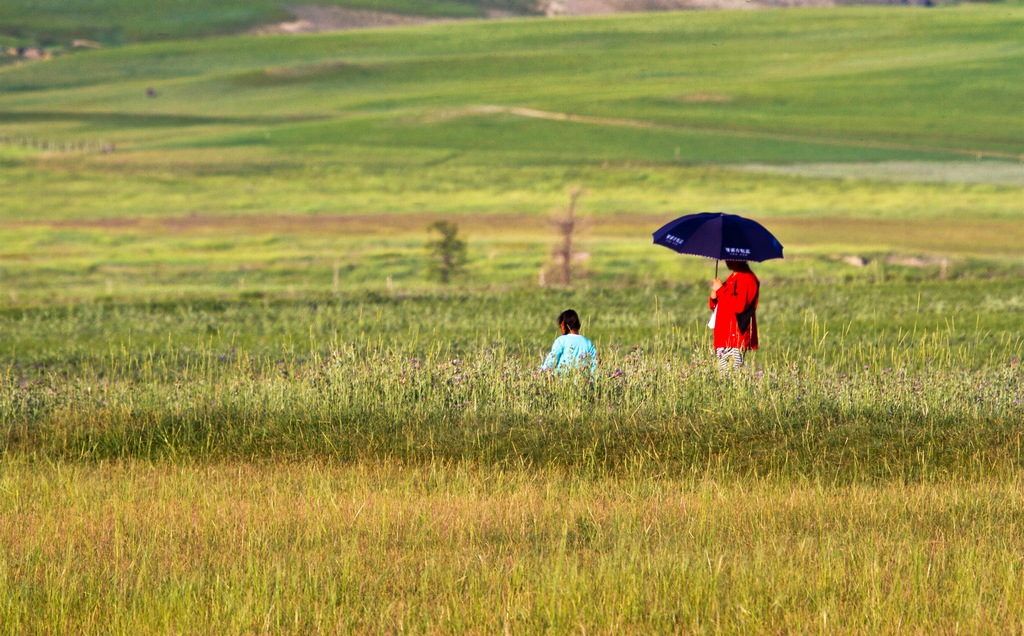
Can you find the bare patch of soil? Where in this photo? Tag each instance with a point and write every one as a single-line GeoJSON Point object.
{"type": "Point", "coordinates": [597, 7]}
{"type": "Point", "coordinates": [389, 225]}
{"type": "Point", "coordinates": [706, 98]}
{"type": "Point", "coordinates": [319, 19]}
{"type": "Point", "coordinates": [593, 7]}
{"type": "Point", "coordinates": [1004, 173]}
{"type": "Point", "coordinates": [316, 19]}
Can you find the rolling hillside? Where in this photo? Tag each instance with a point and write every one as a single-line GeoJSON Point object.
{"type": "Point", "coordinates": [925, 83]}
{"type": "Point", "coordinates": [116, 22]}
{"type": "Point", "coordinates": [854, 130]}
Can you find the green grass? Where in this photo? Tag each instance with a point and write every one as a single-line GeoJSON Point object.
{"type": "Point", "coordinates": [847, 377]}
{"type": "Point", "coordinates": [849, 77]}
{"type": "Point", "coordinates": [287, 257]}
{"type": "Point", "coordinates": [116, 22]}
{"type": "Point", "coordinates": [431, 121]}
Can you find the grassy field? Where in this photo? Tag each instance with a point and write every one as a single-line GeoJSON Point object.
{"type": "Point", "coordinates": [276, 161]}
{"type": "Point", "coordinates": [231, 400]}
{"type": "Point", "coordinates": [295, 548]}
{"type": "Point", "coordinates": [847, 378]}
{"type": "Point", "coordinates": [115, 22]}
{"type": "Point", "coordinates": [384, 463]}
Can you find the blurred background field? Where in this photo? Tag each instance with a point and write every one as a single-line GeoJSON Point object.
{"type": "Point", "coordinates": [277, 160]}
{"type": "Point", "coordinates": [115, 22]}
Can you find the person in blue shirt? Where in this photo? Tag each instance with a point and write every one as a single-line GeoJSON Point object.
{"type": "Point", "coordinates": [571, 350]}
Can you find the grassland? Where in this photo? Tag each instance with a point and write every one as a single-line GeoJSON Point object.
{"type": "Point", "coordinates": [231, 401]}
{"type": "Point", "coordinates": [840, 391]}
{"type": "Point", "coordinates": [116, 22]}
{"type": "Point", "coordinates": [271, 159]}
{"type": "Point", "coordinates": [383, 548]}
{"type": "Point", "coordinates": [378, 463]}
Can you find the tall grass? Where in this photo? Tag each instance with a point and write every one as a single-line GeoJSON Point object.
{"type": "Point", "coordinates": [371, 403]}
{"type": "Point", "coordinates": [385, 547]}
{"type": "Point", "coordinates": [861, 399]}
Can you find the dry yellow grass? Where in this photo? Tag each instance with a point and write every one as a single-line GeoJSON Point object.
{"type": "Point", "coordinates": [214, 548]}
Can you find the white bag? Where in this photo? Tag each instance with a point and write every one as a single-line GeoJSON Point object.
{"type": "Point", "coordinates": [711, 321]}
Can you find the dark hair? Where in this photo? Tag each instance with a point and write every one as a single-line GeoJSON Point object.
{"type": "Point", "coordinates": [570, 318]}
{"type": "Point", "coordinates": [738, 266]}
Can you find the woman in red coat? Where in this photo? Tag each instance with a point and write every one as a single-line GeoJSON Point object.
{"type": "Point", "coordinates": [735, 320]}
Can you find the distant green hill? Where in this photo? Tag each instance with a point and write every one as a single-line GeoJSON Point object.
{"type": "Point", "coordinates": [500, 115]}
{"type": "Point", "coordinates": [801, 85]}
{"type": "Point", "coordinates": [58, 22]}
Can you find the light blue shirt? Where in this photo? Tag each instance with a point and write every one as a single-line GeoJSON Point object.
{"type": "Point", "coordinates": [571, 351]}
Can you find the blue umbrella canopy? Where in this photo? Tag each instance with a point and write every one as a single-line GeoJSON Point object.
{"type": "Point", "coordinates": [720, 236]}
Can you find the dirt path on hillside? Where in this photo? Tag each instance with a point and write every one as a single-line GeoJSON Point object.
{"type": "Point", "coordinates": [596, 7]}
{"type": "Point", "coordinates": [316, 19]}
{"type": "Point", "coordinates": [320, 19]}
{"type": "Point", "coordinates": [532, 113]}
{"type": "Point", "coordinates": [383, 224]}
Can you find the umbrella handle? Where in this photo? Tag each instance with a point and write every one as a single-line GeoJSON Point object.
{"type": "Point", "coordinates": [716, 268]}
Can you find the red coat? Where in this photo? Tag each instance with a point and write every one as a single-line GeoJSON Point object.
{"type": "Point", "coordinates": [736, 321]}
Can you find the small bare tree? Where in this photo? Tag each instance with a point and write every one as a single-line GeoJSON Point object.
{"type": "Point", "coordinates": [567, 227]}
{"type": "Point", "coordinates": [448, 252]}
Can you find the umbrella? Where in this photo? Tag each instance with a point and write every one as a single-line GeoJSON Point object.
{"type": "Point", "coordinates": [719, 236]}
